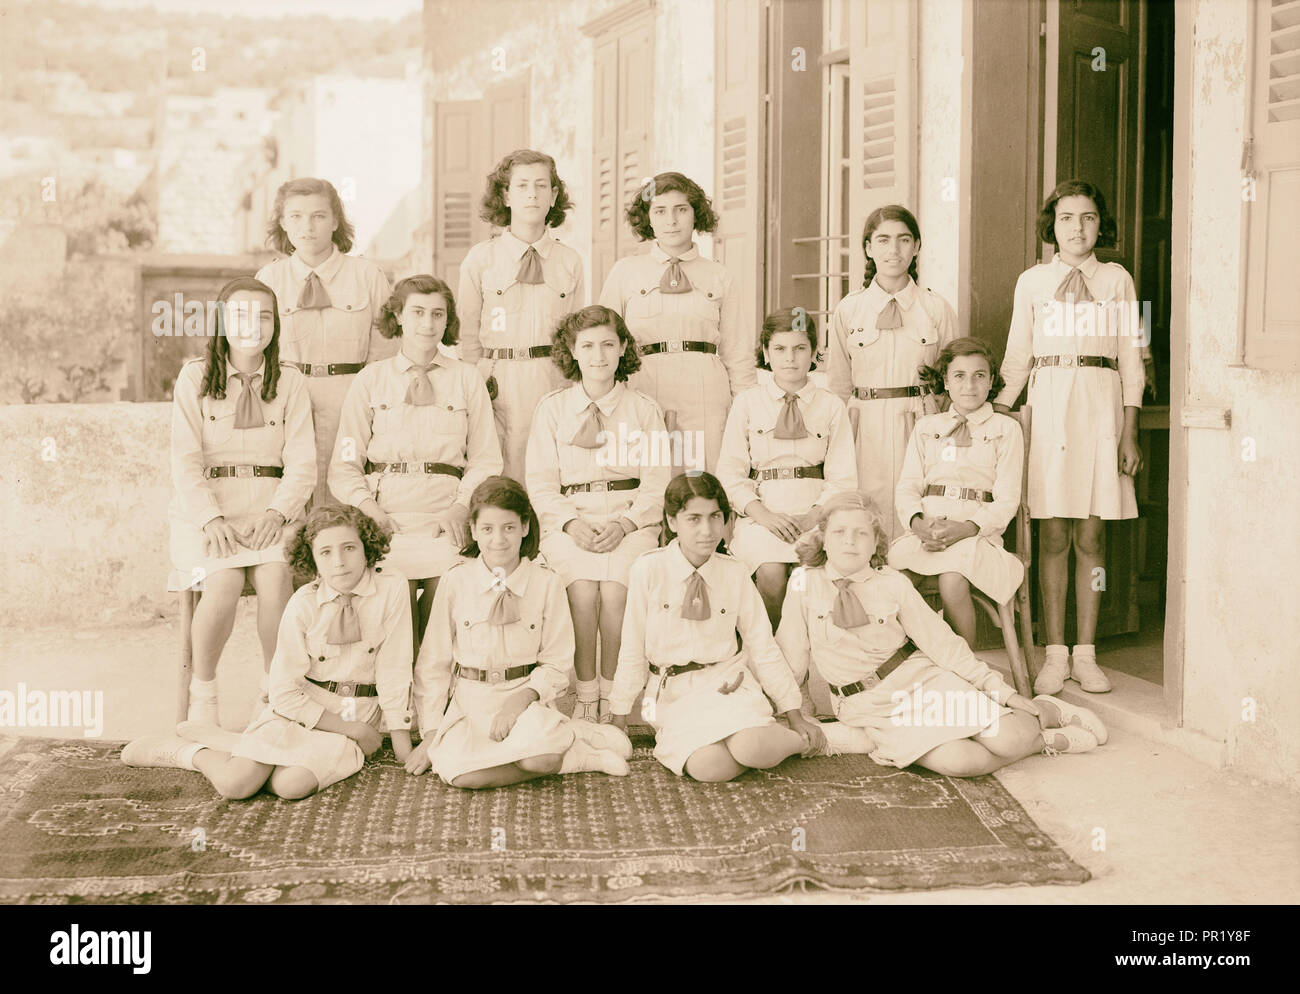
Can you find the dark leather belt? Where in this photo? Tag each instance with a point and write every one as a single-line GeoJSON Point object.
{"type": "Point", "coordinates": [881, 393]}
{"type": "Point", "coordinates": [441, 468]}
{"type": "Point", "coordinates": [330, 369]}
{"type": "Point", "coordinates": [494, 676]}
{"type": "Point", "coordinates": [345, 688]}
{"type": "Point", "coordinates": [882, 671]}
{"type": "Point", "coordinates": [958, 493]}
{"type": "Point", "coordinates": [536, 352]}
{"type": "Point", "coordinates": [243, 472]}
{"type": "Point", "coordinates": [1075, 360]}
{"type": "Point", "coordinates": [668, 671]}
{"type": "Point", "coordinates": [600, 486]}
{"type": "Point", "coordinates": [655, 347]}
{"type": "Point", "coordinates": [790, 473]}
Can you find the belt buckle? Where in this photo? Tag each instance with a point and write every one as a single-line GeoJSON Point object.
{"type": "Point", "coordinates": [244, 472]}
{"type": "Point", "coordinates": [346, 689]}
{"type": "Point", "coordinates": [952, 492]}
{"type": "Point", "coordinates": [495, 676]}
{"type": "Point", "coordinates": [871, 393]}
{"type": "Point", "coordinates": [600, 487]}
{"type": "Point", "coordinates": [785, 473]}
{"type": "Point", "coordinates": [870, 680]}
{"type": "Point", "coordinates": [1067, 360]}
{"type": "Point", "coordinates": [674, 346]}
{"type": "Point", "coordinates": [319, 369]}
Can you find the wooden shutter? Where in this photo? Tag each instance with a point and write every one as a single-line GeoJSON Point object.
{"type": "Point", "coordinates": [739, 143]}
{"type": "Point", "coordinates": [606, 208]}
{"type": "Point", "coordinates": [457, 179]}
{"type": "Point", "coordinates": [883, 55]}
{"type": "Point", "coordinates": [635, 122]}
{"type": "Point", "coordinates": [1272, 154]}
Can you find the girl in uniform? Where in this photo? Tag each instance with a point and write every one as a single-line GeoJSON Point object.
{"type": "Point", "coordinates": [243, 466]}
{"type": "Point", "coordinates": [514, 289]}
{"type": "Point", "coordinates": [342, 669]}
{"type": "Point", "coordinates": [788, 446]}
{"type": "Point", "coordinates": [1075, 337]}
{"type": "Point", "coordinates": [960, 487]}
{"type": "Point", "coordinates": [330, 303]}
{"type": "Point", "coordinates": [596, 473]}
{"type": "Point", "coordinates": [686, 605]}
{"type": "Point", "coordinates": [416, 437]}
{"type": "Point", "coordinates": [684, 312]}
{"type": "Point", "coordinates": [861, 624]}
{"type": "Point", "coordinates": [880, 336]}
{"type": "Point", "coordinates": [500, 653]}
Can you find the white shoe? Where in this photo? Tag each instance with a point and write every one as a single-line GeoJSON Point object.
{"type": "Point", "coordinates": [203, 709]}
{"type": "Point", "coordinates": [586, 711]}
{"type": "Point", "coordinates": [606, 712]}
{"type": "Point", "coordinates": [604, 736]}
{"type": "Point", "coordinates": [212, 736]}
{"type": "Point", "coordinates": [1068, 739]}
{"type": "Point", "coordinates": [161, 751]}
{"type": "Point", "coordinates": [1089, 674]}
{"type": "Point", "coordinates": [842, 739]}
{"type": "Point", "coordinates": [582, 758]}
{"type": "Point", "coordinates": [1051, 678]}
{"type": "Point", "coordinates": [1055, 713]}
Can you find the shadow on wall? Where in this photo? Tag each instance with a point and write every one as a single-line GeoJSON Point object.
{"type": "Point", "coordinates": [83, 498]}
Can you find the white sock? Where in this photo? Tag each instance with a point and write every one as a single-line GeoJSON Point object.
{"type": "Point", "coordinates": [578, 758]}
{"type": "Point", "coordinates": [588, 690]}
{"type": "Point", "coordinates": [606, 687]}
{"type": "Point", "coordinates": [202, 688]}
{"type": "Point", "coordinates": [186, 756]}
{"type": "Point", "coordinates": [844, 739]}
{"type": "Point", "coordinates": [1085, 650]}
{"type": "Point", "coordinates": [1060, 651]}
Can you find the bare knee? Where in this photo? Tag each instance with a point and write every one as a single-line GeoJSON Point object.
{"type": "Point", "coordinates": [236, 787]}
{"type": "Point", "coordinates": [474, 780]}
{"type": "Point", "coordinates": [713, 764]}
{"type": "Point", "coordinates": [293, 783]}
{"type": "Point", "coordinates": [1088, 540]}
{"type": "Point", "coordinates": [613, 598]}
{"type": "Point", "coordinates": [549, 763]}
{"type": "Point", "coordinates": [954, 587]}
{"type": "Point", "coordinates": [771, 579]}
{"type": "Point", "coordinates": [1054, 536]}
{"type": "Point", "coordinates": [271, 580]}
{"type": "Point", "coordinates": [964, 758]}
{"type": "Point", "coordinates": [583, 595]}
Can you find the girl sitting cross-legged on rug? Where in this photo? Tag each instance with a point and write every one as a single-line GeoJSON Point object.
{"type": "Point", "coordinates": [686, 605]}
{"type": "Point", "coordinates": [341, 666]}
{"type": "Point", "coordinates": [498, 651]}
{"type": "Point", "coordinates": [861, 624]}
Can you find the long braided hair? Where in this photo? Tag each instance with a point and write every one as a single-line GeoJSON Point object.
{"type": "Point", "coordinates": [214, 365]}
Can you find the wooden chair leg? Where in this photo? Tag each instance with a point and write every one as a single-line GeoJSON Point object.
{"type": "Point", "coordinates": [1023, 609]}
{"type": "Point", "coordinates": [189, 598]}
{"type": "Point", "coordinates": [1019, 674]}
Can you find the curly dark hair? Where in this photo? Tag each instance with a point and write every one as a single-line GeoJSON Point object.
{"type": "Point", "coordinates": [508, 495]}
{"type": "Point", "coordinates": [307, 186]}
{"type": "Point", "coordinates": [810, 548]}
{"type": "Point", "coordinates": [890, 212]}
{"type": "Point", "coordinates": [595, 316]}
{"type": "Point", "coordinates": [1107, 229]}
{"type": "Point", "coordinates": [424, 283]}
{"type": "Point", "coordinates": [932, 377]}
{"type": "Point", "coordinates": [786, 319]}
{"type": "Point", "coordinates": [493, 207]}
{"type": "Point", "coordinates": [682, 488]}
{"type": "Point", "coordinates": [638, 212]}
{"type": "Point", "coordinates": [213, 383]}
{"type": "Point", "coordinates": [374, 539]}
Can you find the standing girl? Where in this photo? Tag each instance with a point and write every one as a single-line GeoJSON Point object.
{"type": "Point", "coordinates": [416, 437]}
{"type": "Point", "coordinates": [861, 624]}
{"type": "Point", "coordinates": [880, 336]}
{"type": "Point", "coordinates": [500, 653]}
{"type": "Point", "coordinates": [514, 289]}
{"type": "Point", "coordinates": [1074, 336]}
{"type": "Point", "coordinates": [342, 668]}
{"type": "Point", "coordinates": [960, 487]}
{"type": "Point", "coordinates": [243, 466]}
{"type": "Point", "coordinates": [684, 313]}
{"type": "Point", "coordinates": [597, 474]}
{"type": "Point", "coordinates": [329, 303]}
{"type": "Point", "coordinates": [788, 447]}
{"type": "Point", "coordinates": [686, 605]}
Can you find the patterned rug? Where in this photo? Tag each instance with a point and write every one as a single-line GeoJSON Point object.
{"type": "Point", "coordinates": [76, 826]}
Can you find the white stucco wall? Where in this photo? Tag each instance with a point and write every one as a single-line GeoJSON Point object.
{"type": "Point", "coordinates": [1242, 626]}
{"type": "Point", "coordinates": [939, 100]}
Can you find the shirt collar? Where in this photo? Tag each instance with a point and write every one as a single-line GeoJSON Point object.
{"type": "Point", "coordinates": [232, 372]}
{"type": "Point", "coordinates": [327, 270]}
{"type": "Point", "coordinates": [776, 393]}
{"type": "Point", "coordinates": [659, 255]}
{"type": "Point", "coordinates": [879, 297]}
{"type": "Point", "coordinates": [861, 576]}
{"type": "Point", "coordinates": [975, 417]}
{"type": "Point", "coordinates": [325, 593]}
{"type": "Point", "coordinates": [577, 400]}
{"type": "Point", "coordinates": [680, 568]}
{"type": "Point", "coordinates": [517, 582]}
{"type": "Point", "coordinates": [404, 362]}
{"type": "Point", "coordinates": [1088, 267]}
{"type": "Point", "coordinates": [516, 247]}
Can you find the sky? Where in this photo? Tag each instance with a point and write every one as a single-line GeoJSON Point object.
{"type": "Point", "coordinates": [363, 9]}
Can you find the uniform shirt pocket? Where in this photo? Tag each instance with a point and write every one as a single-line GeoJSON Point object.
{"type": "Point", "coordinates": [863, 337]}
{"type": "Point", "coordinates": [501, 291]}
{"type": "Point", "coordinates": [219, 417]}
{"type": "Point", "coordinates": [645, 302]}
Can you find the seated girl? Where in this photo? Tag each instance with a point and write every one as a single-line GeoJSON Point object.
{"type": "Point", "coordinates": [498, 653]}
{"type": "Point", "coordinates": [598, 486]}
{"type": "Point", "coordinates": [342, 668]}
{"type": "Point", "coordinates": [904, 688]}
{"type": "Point", "coordinates": [960, 487]}
{"type": "Point", "coordinates": [787, 447]}
{"type": "Point", "coordinates": [686, 605]}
